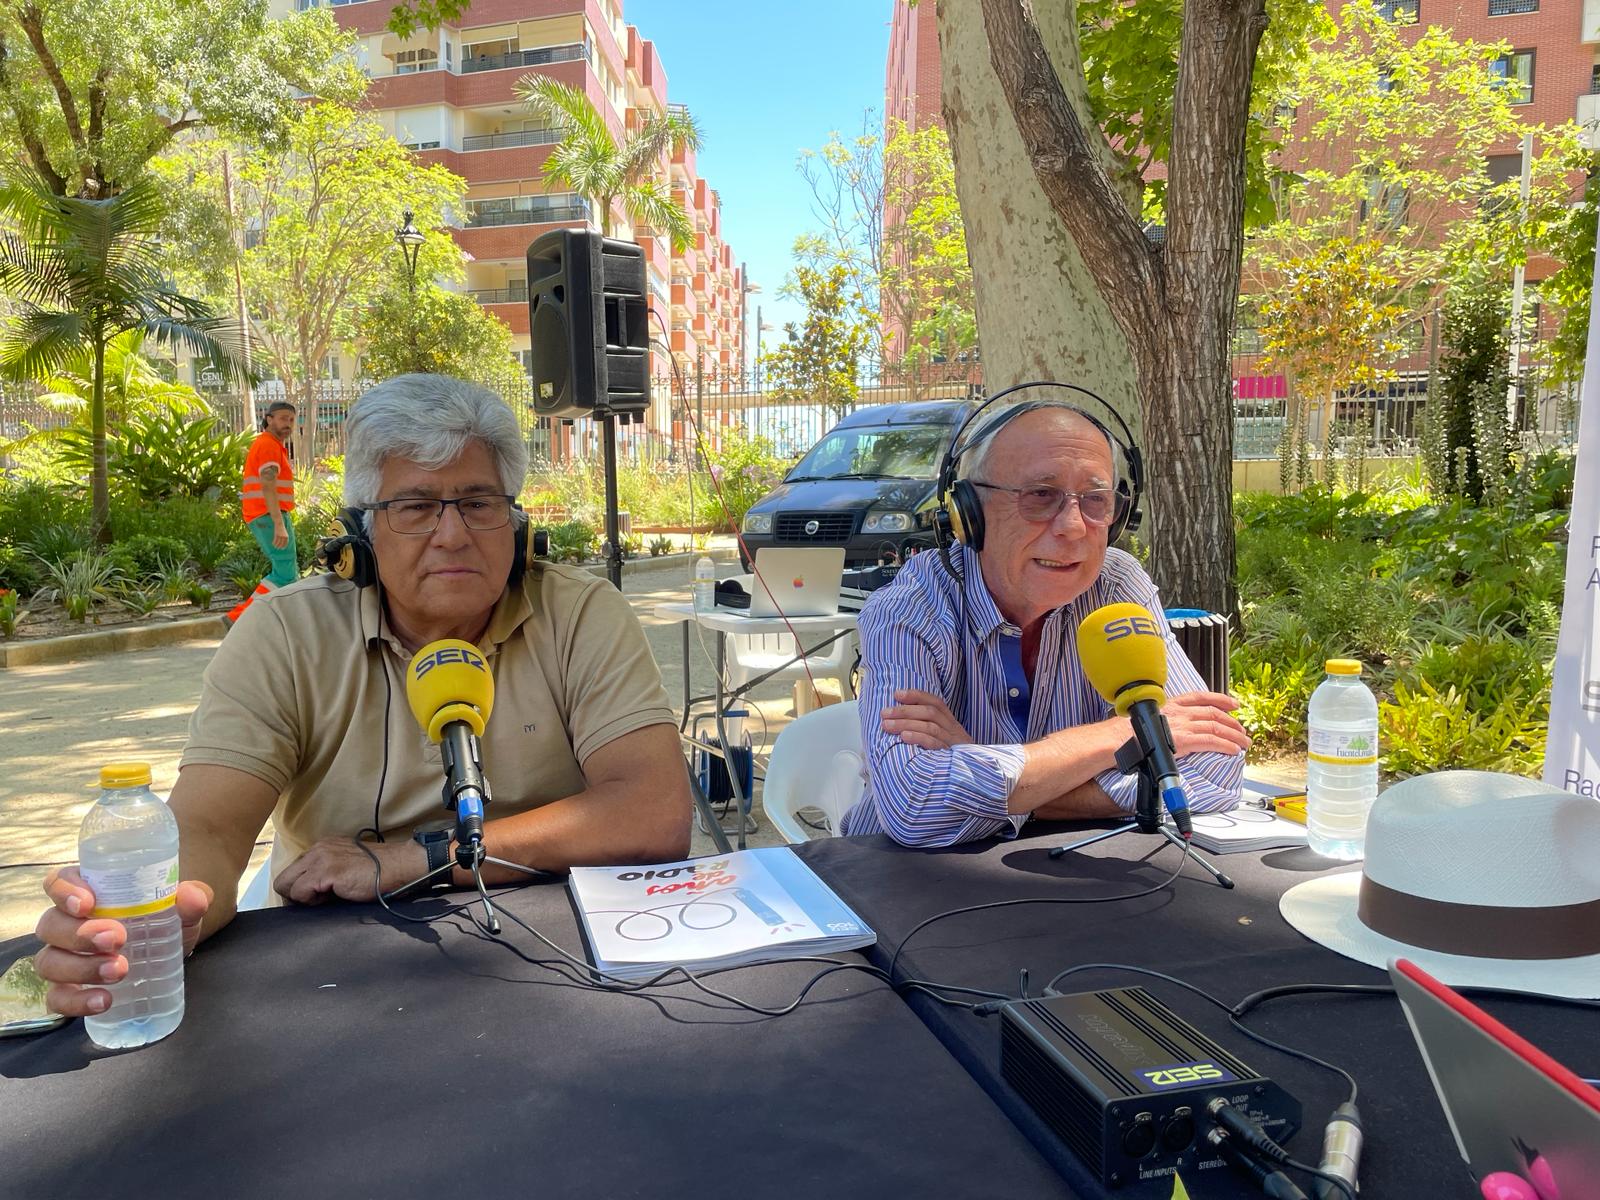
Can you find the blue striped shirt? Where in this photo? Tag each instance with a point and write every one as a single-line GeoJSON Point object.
{"type": "Point", "coordinates": [911, 637]}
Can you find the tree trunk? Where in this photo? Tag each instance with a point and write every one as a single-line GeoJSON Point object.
{"type": "Point", "coordinates": [99, 479]}
{"type": "Point", "coordinates": [1148, 327]}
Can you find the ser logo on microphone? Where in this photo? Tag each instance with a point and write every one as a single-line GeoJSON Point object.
{"type": "Point", "coordinates": [448, 654]}
{"type": "Point", "coordinates": [1123, 627]}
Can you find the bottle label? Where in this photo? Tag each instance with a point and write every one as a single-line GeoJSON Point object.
{"type": "Point", "coordinates": [136, 893]}
{"type": "Point", "coordinates": [1342, 749]}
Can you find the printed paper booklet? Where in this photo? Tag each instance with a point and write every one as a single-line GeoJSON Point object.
{"type": "Point", "coordinates": [725, 910]}
{"type": "Point", "coordinates": [1250, 826]}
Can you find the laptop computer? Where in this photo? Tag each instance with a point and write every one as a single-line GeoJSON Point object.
{"type": "Point", "coordinates": [803, 582]}
{"type": "Point", "coordinates": [1513, 1109]}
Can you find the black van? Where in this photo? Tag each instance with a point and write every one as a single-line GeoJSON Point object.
{"type": "Point", "coordinates": [869, 485]}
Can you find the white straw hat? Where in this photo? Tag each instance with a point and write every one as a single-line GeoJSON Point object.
{"type": "Point", "coordinates": [1483, 880]}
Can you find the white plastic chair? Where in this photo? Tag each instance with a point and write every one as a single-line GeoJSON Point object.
{"type": "Point", "coordinates": [817, 762]}
{"type": "Point", "coordinates": [258, 892]}
{"type": "Point", "coordinates": [751, 655]}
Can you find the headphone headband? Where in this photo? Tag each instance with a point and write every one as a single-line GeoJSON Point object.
{"type": "Point", "coordinates": [959, 514]}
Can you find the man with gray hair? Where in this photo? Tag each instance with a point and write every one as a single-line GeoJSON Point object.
{"type": "Point", "coordinates": [297, 719]}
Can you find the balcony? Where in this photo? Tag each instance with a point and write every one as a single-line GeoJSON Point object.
{"type": "Point", "coordinates": [500, 141]}
{"type": "Point", "coordinates": [517, 293]}
{"type": "Point", "coordinates": [481, 218]}
{"type": "Point", "coordinates": [541, 57]}
{"type": "Point", "coordinates": [1507, 8]}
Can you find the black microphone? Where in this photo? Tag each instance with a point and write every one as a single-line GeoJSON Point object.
{"type": "Point", "coordinates": [1125, 660]}
{"type": "Point", "coordinates": [451, 693]}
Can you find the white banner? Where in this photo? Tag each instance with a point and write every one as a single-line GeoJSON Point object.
{"type": "Point", "coordinates": [1572, 754]}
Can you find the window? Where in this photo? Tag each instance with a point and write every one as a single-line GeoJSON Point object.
{"type": "Point", "coordinates": [1385, 81]}
{"type": "Point", "coordinates": [1401, 12]}
{"type": "Point", "coordinates": [1515, 73]}
{"type": "Point", "coordinates": [1505, 8]}
{"type": "Point", "coordinates": [409, 62]}
{"type": "Point", "coordinates": [1385, 204]}
{"type": "Point", "coordinates": [1502, 169]}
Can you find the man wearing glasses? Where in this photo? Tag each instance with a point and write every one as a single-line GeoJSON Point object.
{"type": "Point", "coordinates": [975, 712]}
{"type": "Point", "coordinates": [303, 716]}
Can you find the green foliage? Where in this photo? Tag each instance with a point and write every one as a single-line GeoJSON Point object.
{"type": "Point", "coordinates": [82, 273]}
{"type": "Point", "coordinates": [433, 331]}
{"type": "Point", "coordinates": [80, 582]}
{"type": "Point", "coordinates": [743, 470]}
{"type": "Point", "coordinates": [659, 545]}
{"type": "Point", "coordinates": [325, 208]}
{"type": "Point", "coordinates": [94, 91]}
{"type": "Point", "coordinates": [147, 558]}
{"type": "Point", "coordinates": [820, 361]}
{"type": "Point", "coordinates": [591, 162]}
{"type": "Point", "coordinates": [160, 455]}
{"type": "Point", "coordinates": [1453, 607]}
{"type": "Point", "coordinates": [31, 504]}
{"type": "Point", "coordinates": [205, 529]}
{"type": "Point", "coordinates": [573, 541]}
{"type": "Point", "coordinates": [1472, 373]}
{"type": "Point", "coordinates": [245, 569]}
{"type": "Point", "coordinates": [926, 284]}
{"type": "Point", "coordinates": [19, 572]}
{"type": "Point", "coordinates": [199, 595]}
{"type": "Point", "coordinates": [11, 613]}
{"type": "Point", "coordinates": [139, 599]}
{"type": "Point", "coordinates": [1130, 61]}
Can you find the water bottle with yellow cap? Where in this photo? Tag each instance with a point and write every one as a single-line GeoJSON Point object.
{"type": "Point", "coordinates": [128, 853]}
{"type": "Point", "coordinates": [1341, 761]}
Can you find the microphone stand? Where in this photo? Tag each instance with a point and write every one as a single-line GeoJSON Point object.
{"type": "Point", "coordinates": [1148, 816]}
{"type": "Point", "coordinates": [466, 794]}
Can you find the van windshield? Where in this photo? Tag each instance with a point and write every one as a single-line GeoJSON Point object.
{"type": "Point", "coordinates": [899, 452]}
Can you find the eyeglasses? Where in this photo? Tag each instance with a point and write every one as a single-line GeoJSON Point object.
{"type": "Point", "coordinates": [416, 515]}
{"type": "Point", "coordinates": [1042, 502]}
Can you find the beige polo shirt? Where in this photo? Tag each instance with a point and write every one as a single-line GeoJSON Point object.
{"type": "Point", "coordinates": [298, 692]}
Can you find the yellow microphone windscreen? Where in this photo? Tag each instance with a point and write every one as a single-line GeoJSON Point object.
{"type": "Point", "coordinates": [1124, 655]}
{"type": "Point", "coordinates": [448, 681]}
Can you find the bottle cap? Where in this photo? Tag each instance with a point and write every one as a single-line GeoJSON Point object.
{"type": "Point", "coordinates": [1343, 666]}
{"type": "Point", "coordinates": [125, 774]}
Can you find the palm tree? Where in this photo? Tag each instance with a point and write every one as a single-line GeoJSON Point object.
{"type": "Point", "coordinates": [589, 161]}
{"type": "Point", "coordinates": [81, 272]}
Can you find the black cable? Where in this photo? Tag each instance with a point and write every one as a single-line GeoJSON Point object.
{"type": "Point", "coordinates": [1385, 989]}
{"type": "Point", "coordinates": [1149, 891]}
{"type": "Point", "coordinates": [388, 699]}
{"type": "Point", "coordinates": [1320, 1174]}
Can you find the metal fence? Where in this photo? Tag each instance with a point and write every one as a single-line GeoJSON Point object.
{"type": "Point", "coordinates": [1384, 418]}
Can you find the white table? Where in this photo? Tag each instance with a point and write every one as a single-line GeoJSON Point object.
{"type": "Point", "coordinates": [725, 621]}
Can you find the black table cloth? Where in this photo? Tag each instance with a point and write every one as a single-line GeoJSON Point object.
{"type": "Point", "coordinates": [1230, 943]}
{"type": "Point", "coordinates": [337, 1052]}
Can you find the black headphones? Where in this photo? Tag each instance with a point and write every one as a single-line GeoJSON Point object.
{"type": "Point", "coordinates": [959, 516]}
{"type": "Point", "coordinates": [349, 554]}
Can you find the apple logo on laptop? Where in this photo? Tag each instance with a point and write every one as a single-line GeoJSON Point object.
{"type": "Point", "coordinates": [799, 581]}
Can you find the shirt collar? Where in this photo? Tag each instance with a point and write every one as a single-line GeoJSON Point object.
{"type": "Point", "coordinates": [510, 611]}
{"type": "Point", "coordinates": [985, 616]}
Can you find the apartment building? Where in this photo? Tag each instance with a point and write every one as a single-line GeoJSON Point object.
{"type": "Point", "coordinates": [448, 94]}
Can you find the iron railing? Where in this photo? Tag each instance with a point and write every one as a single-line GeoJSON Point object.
{"type": "Point", "coordinates": [499, 141]}
{"type": "Point", "coordinates": [541, 57]}
{"type": "Point", "coordinates": [479, 217]}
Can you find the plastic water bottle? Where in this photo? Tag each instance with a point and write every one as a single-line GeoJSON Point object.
{"type": "Point", "coordinates": [128, 853]}
{"type": "Point", "coordinates": [1342, 761]}
{"type": "Point", "coordinates": [705, 585]}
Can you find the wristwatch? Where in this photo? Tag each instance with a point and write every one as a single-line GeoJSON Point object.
{"type": "Point", "coordinates": [435, 837]}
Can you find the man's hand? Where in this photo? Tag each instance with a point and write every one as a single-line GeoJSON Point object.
{"type": "Point", "coordinates": [924, 720]}
{"type": "Point", "coordinates": [81, 951]}
{"type": "Point", "coordinates": [339, 867]}
{"type": "Point", "coordinates": [1203, 722]}
{"type": "Point", "coordinates": [280, 533]}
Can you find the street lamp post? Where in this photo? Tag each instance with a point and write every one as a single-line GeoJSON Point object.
{"type": "Point", "coordinates": [410, 239]}
{"type": "Point", "coordinates": [746, 290]}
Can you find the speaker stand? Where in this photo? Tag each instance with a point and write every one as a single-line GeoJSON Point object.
{"type": "Point", "coordinates": [611, 551]}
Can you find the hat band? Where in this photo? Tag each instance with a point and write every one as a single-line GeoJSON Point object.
{"type": "Point", "coordinates": [1480, 930]}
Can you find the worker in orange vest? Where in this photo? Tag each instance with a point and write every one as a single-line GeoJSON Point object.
{"type": "Point", "coordinates": [268, 495]}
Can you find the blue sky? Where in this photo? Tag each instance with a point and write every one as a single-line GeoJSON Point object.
{"type": "Point", "coordinates": [766, 79]}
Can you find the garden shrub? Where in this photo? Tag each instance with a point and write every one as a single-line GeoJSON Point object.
{"type": "Point", "coordinates": [146, 557]}
{"type": "Point", "coordinates": [20, 572]}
